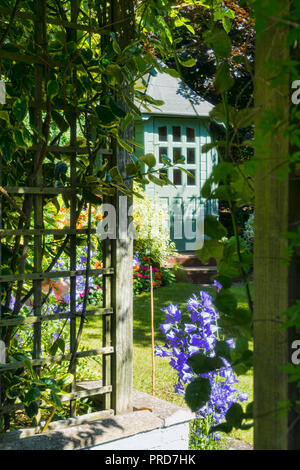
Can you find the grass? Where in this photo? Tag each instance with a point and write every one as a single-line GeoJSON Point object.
{"type": "Point", "coordinates": [166, 377]}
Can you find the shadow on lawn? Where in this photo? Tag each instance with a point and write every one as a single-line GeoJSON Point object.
{"type": "Point", "coordinates": [177, 294]}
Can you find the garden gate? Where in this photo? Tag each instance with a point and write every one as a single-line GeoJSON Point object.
{"type": "Point", "coordinates": [116, 311]}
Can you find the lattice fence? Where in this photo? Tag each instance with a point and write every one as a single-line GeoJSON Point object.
{"type": "Point", "coordinates": [26, 277]}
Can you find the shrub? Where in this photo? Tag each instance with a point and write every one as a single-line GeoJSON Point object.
{"type": "Point", "coordinates": [141, 274]}
{"type": "Point", "coordinates": [151, 223]}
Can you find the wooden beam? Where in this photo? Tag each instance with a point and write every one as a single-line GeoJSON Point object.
{"type": "Point", "coordinates": [54, 274]}
{"type": "Point", "coordinates": [53, 359]}
{"type": "Point", "coordinates": [59, 316]}
{"type": "Point", "coordinates": [55, 232]}
{"type": "Point", "coordinates": [122, 248]}
{"type": "Point", "coordinates": [271, 221]}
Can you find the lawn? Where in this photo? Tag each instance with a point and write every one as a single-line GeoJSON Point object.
{"type": "Point", "coordinates": [165, 376]}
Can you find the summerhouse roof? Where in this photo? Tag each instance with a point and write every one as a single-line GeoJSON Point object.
{"type": "Point", "coordinates": [179, 99]}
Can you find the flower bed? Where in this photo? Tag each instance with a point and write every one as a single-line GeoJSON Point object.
{"type": "Point", "coordinates": [141, 274]}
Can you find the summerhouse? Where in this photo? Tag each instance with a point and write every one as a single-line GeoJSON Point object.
{"type": "Point", "coordinates": [178, 128]}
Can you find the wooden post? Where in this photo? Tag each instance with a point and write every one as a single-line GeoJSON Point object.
{"type": "Point", "coordinates": [40, 39]}
{"type": "Point", "coordinates": [152, 330]}
{"type": "Point", "coordinates": [294, 280]}
{"type": "Point", "coordinates": [122, 19]}
{"type": "Point", "coordinates": [72, 36]}
{"type": "Point", "coordinates": [271, 220]}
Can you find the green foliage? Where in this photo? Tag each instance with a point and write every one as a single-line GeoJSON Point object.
{"type": "Point", "coordinates": [200, 363]}
{"type": "Point", "coordinates": [197, 393]}
{"type": "Point", "coordinates": [88, 78]}
{"type": "Point", "coordinates": [150, 220]}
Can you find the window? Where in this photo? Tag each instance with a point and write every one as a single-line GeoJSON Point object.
{"type": "Point", "coordinates": [191, 180]}
{"type": "Point", "coordinates": [191, 156]}
{"type": "Point", "coordinates": [190, 134]}
{"type": "Point", "coordinates": [176, 130]}
{"type": "Point", "coordinates": [163, 134]}
{"type": "Point", "coordinates": [177, 177]}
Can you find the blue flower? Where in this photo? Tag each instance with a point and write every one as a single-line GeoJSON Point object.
{"type": "Point", "coordinates": [173, 315]}
{"type": "Point", "coordinates": [217, 285]}
{"type": "Point", "coordinates": [186, 339]}
{"type": "Point", "coordinates": [136, 261]}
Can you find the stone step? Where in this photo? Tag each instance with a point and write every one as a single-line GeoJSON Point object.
{"type": "Point", "coordinates": [187, 260]}
{"type": "Point", "coordinates": [196, 274]}
{"type": "Point", "coordinates": [200, 274]}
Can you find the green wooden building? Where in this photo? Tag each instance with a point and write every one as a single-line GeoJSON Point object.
{"type": "Point", "coordinates": [179, 127]}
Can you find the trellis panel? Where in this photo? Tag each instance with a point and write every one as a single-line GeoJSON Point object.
{"type": "Point", "coordinates": [116, 349]}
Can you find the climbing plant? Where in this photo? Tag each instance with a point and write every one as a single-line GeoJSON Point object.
{"type": "Point", "coordinates": [71, 71]}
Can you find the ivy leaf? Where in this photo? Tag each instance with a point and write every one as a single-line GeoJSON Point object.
{"type": "Point", "coordinates": [149, 159]}
{"type": "Point", "coordinates": [241, 344]}
{"type": "Point", "coordinates": [124, 144]}
{"type": "Point", "coordinates": [131, 169]}
{"type": "Point", "coordinates": [227, 269]}
{"type": "Point", "coordinates": [19, 138]}
{"type": "Point", "coordinates": [20, 108]}
{"type": "Point", "coordinates": [52, 89]}
{"type": "Point", "coordinates": [116, 175]}
{"type": "Point", "coordinates": [65, 380]}
{"type": "Point", "coordinates": [60, 121]}
{"type": "Point", "coordinates": [210, 249]}
{"type": "Point", "coordinates": [5, 116]}
{"type": "Point", "coordinates": [32, 410]}
{"type": "Point", "coordinates": [56, 399]}
{"type": "Point", "coordinates": [92, 198]}
{"type": "Point", "coordinates": [174, 73]}
{"type": "Point", "coordinates": [32, 395]}
{"type": "Point", "coordinates": [223, 349]}
{"type": "Point", "coordinates": [234, 415]}
{"type": "Point", "coordinates": [213, 228]}
{"type": "Point", "coordinates": [126, 121]}
{"type": "Point", "coordinates": [105, 114]}
{"type": "Point", "coordinates": [202, 364]}
{"type": "Point", "coordinates": [221, 43]}
{"type": "Point", "coordinates": [226, 24]}
{"type": "Point", "coordinates": [115, 44]}
{"type": "Point", "coordinates": [197, 393]}
{"type": "Point", "coordinates": [249, 411]}
{"type": "Point", "coordinates": [188, 63]}
{"type": "Point", "coordinates": [207, 147]}
{"type": "Point", "coordinates": [223, 79]}
{"type": "Point", "coordinates": [155, 180]}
